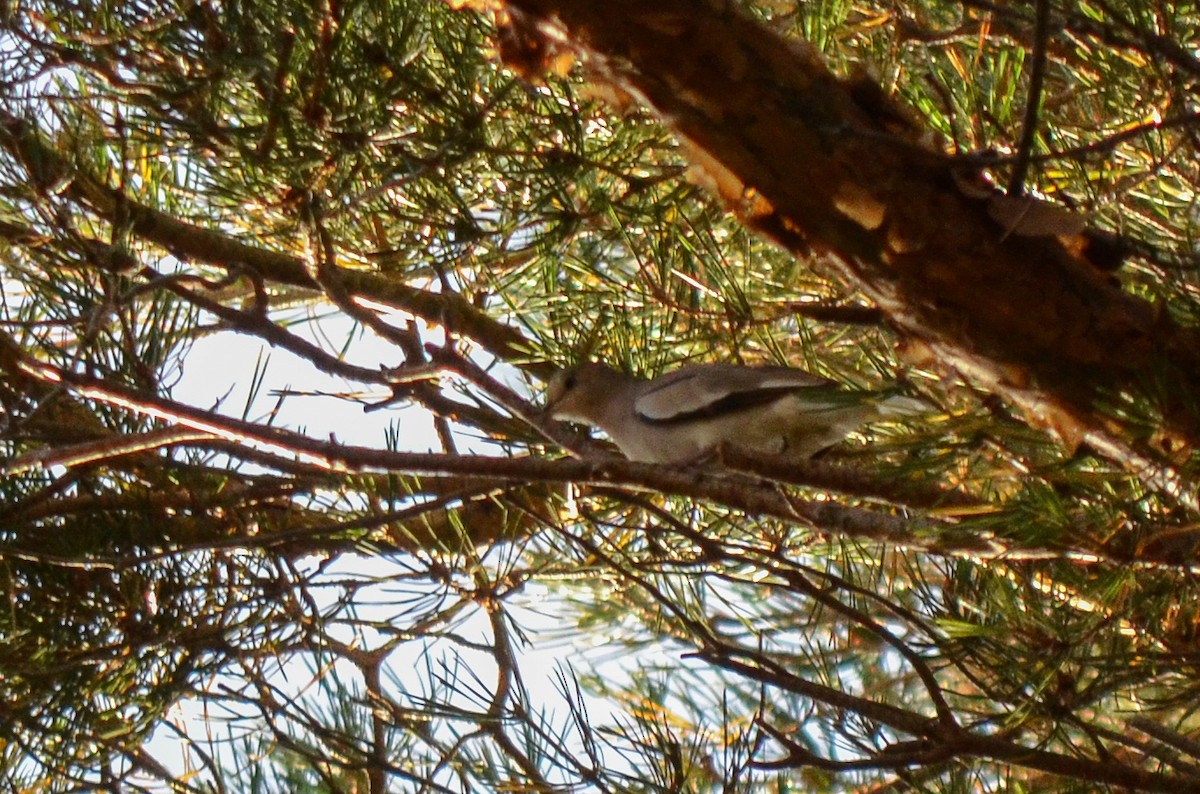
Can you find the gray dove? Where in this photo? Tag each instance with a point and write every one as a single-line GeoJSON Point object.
{"type": "Point", "coordinates": [682, 416]}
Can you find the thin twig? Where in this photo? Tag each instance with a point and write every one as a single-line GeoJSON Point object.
{"type": "Point", "coordinates": [1037, 76]}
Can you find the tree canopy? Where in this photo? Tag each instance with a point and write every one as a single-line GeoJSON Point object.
{"type": "Point", "coordinates": [422, 210]}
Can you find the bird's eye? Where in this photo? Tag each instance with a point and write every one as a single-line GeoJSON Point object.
{"type": "Point", "coordinates": [569, 382]}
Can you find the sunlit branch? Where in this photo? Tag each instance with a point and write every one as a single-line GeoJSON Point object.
{"type": "Point", "coordinates": [768, 500]}
{"type": "Point", "coordinates": [102, 451]}
{"type": "Point", "coordinates": [190, 242]}
{"type": "Point", "coordinates": [842, 178]}
{"type": "Point", "coordinates": [257, 323]}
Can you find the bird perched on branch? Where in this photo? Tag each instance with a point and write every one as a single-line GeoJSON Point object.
{"type": "Point", "coordinates": [684, 415]}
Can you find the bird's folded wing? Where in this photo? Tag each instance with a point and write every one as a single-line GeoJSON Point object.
{"type": "Point", "coordinates": [711, 389]}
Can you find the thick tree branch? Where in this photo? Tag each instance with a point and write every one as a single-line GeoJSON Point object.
{"type": "Point", "coordinates": [817, 162]}
{"type": "Point", "coordinates": [763, 498]}
{"type": "Point", "coordinates": [766, 499]}
{"type": "Point", "coordinates": [190, 242]}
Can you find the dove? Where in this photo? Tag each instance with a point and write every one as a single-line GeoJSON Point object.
{"type": "Point", "coordinates": [684, 415]}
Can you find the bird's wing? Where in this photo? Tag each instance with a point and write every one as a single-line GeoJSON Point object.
{"type": "Point", "coordinates": [709, 389]}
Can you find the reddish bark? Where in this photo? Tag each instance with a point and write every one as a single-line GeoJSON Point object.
{"type": "Point", "coordinates": [828, 164]}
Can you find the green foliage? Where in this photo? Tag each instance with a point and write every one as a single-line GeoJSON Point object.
{"type": "Point", "coordinates": [367, 176]}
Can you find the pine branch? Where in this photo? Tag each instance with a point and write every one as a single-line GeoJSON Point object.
{"type": "Point", "coordinates": [816, 162]}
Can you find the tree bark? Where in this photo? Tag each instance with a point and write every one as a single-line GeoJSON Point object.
{"type": "Point", "coordinates": [831, 165]}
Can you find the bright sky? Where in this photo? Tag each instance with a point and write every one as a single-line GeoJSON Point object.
{"type": "Point", "coordinates": [218, 368]}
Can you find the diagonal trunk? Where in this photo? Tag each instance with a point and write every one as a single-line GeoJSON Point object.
{"type": "Point", "coordinates": [832, 166]}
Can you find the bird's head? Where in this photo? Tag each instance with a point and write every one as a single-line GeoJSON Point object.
{"type": "Point", "coordinates": [582, 393]}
